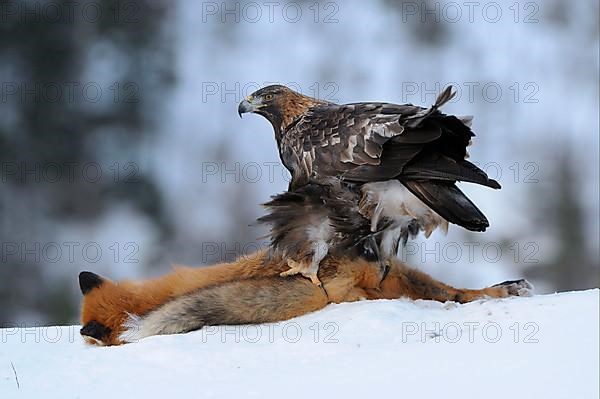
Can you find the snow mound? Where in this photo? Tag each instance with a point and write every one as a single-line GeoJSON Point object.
{"type": "Point", "coordinates": [543, 346]}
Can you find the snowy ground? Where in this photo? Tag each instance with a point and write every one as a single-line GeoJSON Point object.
{"type": "Point", "coordinates": [545, 346]}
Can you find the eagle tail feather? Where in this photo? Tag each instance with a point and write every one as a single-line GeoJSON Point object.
{"type": "Point", "coordinates": [449, 202]}
{"type": "Point", "coordinates": [445, 169]}
{"type": "Point", "coordinates": [441, 99]}
{"type": "Point", "coordinates": [444, 97]}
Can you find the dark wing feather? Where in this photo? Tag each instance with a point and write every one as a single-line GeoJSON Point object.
{"type": "Point", "coordinates": [430, 165]}
{"type": "Point", "coordinates": [450, 203]}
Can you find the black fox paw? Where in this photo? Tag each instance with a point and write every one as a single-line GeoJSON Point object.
{"type": "Point", "coordinates": [517, 287]}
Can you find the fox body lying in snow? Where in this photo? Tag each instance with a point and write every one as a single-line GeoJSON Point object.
{"type": "Point", "coordinates": [249, 290]}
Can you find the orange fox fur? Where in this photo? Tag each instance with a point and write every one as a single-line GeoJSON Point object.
{"type": "Point", "coordinates": [344, 280]}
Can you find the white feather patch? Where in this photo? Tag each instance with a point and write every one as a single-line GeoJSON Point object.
{"type": "Point", "coordinates": [394, 201]}
{"type": "Point", "coordinates": [347, 154]}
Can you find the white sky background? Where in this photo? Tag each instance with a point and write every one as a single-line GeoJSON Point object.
{"type": "Point", "coordinates": [372, 53]}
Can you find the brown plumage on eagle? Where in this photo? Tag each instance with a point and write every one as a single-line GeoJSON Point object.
{"type": "Point", "coordinates": [402, 161]}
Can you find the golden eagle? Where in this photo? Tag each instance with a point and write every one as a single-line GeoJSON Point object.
{"type": "Point", "coordinates": [401, 162]}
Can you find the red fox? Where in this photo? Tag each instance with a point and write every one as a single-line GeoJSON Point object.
{"type": "Point", "coordinates": [250, 290]}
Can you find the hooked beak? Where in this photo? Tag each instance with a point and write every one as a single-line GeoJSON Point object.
{"type": "Point", "coordinates": [247, 105]}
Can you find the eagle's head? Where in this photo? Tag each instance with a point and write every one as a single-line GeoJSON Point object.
{"type": "Point", "coordinates": [278, 104]}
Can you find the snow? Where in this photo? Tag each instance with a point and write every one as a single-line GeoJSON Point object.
{"type": "Point", "coordinates": [542, 346]}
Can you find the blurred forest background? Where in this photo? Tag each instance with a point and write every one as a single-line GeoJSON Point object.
{"type": "Point", "coordinates": [121, 151]}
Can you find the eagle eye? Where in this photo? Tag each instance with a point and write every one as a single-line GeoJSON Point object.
{"type": "Point", "coordinates": [268, 97]}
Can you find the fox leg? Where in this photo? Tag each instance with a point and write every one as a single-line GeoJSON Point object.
{"type": "Point", "coordinates": [406, 282]}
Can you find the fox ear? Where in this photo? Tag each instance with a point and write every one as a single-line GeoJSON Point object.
{"type": "Point", "coordinates": [88, 281]}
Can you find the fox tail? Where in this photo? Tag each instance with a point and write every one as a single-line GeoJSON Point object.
{"type": "Point", "coordinates": [260, 300]}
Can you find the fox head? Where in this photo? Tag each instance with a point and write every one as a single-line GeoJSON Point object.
{"type": "Point", "coordinates": [104, 308]}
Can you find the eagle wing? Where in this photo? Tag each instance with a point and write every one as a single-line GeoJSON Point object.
{"type": "Point", "coordinates": [335, 140]}
{"type": "Point", "coordinates": [367, 142]}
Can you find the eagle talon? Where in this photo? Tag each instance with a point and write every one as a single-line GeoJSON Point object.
{"type": "Point", "coordinates": [385, 269]}
{"type": "Point", "coordinates": [295, 268]}
{"type": "Point", "coordinates": [314, 279]}
{"type": "Point", "coordinates": [303, 269]}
